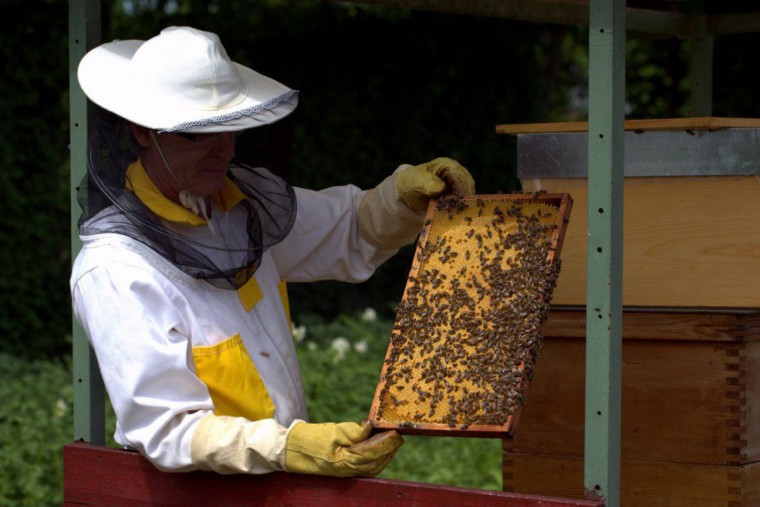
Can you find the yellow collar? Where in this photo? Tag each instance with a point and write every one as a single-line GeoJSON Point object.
{"type": "Point", "coordinates": [140, 183]}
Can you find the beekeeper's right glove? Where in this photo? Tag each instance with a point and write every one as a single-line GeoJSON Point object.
{"type": "Point", "coordinates": [339, 449]}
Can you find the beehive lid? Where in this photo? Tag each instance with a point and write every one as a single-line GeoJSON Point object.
{"type": "Point", "coordinates": [672, 147]}
{"type": "Point", "coordinates": [466, 333]}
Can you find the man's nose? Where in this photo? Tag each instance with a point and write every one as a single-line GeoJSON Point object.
{"type": "Point", "coordinates": [225, 145]}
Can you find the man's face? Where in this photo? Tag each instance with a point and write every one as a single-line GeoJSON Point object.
{"type": "Point", "coordinates": [199, 162]}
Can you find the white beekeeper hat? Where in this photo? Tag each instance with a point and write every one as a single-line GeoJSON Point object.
{"type": "Point", "coordinates": [181, 80]}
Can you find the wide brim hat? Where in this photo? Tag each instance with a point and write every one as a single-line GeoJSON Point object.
{"type": "Point", "coordinates": [181, 81]}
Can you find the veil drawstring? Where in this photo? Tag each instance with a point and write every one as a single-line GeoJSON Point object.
{"type": "Point", "coordinates": [192, 202]}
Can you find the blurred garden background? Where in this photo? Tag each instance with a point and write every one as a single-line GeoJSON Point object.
{"type": "Point", "coordinates": [379, 87]}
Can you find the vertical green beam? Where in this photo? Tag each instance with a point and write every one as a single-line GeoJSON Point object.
{"type": "Point", "coordinates": [89, 404]}
{"type": "Point", "coordinates": [701, 68]}
{"type": "Point", "coordinates": [605, 249]}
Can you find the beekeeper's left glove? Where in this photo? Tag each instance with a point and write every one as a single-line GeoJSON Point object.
{"type": "Point", "coordinates": [391, 214]}
{"type": "Point", "coordinates": [420, 183]}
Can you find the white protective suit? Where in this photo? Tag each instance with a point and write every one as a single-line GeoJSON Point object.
{"type": "Point", "coordinates": [173, 350]}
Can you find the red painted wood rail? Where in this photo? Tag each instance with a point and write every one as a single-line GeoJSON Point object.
{"type": "Point", "coordinates": [95, 475]}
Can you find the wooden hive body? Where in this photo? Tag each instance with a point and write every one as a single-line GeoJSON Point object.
{"type": "Point", "coordinates": [690, 399]}
{"type": "Point", "coordinates": [688, 241]}
{"type": "Point", "coordinates": [691, 198]}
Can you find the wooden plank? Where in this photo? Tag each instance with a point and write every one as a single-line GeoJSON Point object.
{"type": "Point", "coordinates": [98, 476]}
{"type": "Point", "coordinates": [750, 484]}
{"type": "Point", "coordinates": [698, 123]}
{"type": "Point", "coordinates": [565, 12]}
{"type": "Point", "coordinates": [660, 324]}
{"type": "Point", "coordinates": [749, 376]}
{"type": "Point", "coordinates": [681, 402]}
{"type": "Point", "coordinates": [730, 23]}
{"type": "Point", "coordinates": [688, 241]}
{"type": "Point", "coordinates": [642, 484]}
{"type": "Point", "coordinates": [751, 328]}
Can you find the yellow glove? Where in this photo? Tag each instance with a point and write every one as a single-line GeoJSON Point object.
{"type": "Point", "coordinates": [339, 449]}
{"type": "Point", "coordinates": [418, 184]}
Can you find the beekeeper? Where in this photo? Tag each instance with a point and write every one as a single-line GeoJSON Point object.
{"type": "Point", "coordinates": [184, 250]}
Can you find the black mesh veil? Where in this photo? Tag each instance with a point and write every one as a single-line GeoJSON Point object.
{"type": "Point", "coordinates": [267, 214]}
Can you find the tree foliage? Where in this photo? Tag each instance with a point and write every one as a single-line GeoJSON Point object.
{"type": "Point", "coordinates": [379, 87]}
{"type": "Point", "coordinates": [34, 181]}
{"type": "Point", "coordinates": [33, 428]}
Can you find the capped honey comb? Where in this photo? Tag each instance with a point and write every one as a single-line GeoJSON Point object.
{"type": "Point", "coordinates": [466, 333]}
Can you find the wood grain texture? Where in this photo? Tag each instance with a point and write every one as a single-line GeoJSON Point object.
{"type": "Point", "coordinates": [661, 324]}
{"type": "Point", "coordinates": [688, 401]}
{"type": "Point", "coordinates": [687, 241]}
{"type": "Point", "coordinates": [98, 476]}
{"type": "Point", "coordinates": [679, 403]}
{"type": "Point", "coordinates": [698, 123]}
{"type": "Point", "coordinates": [749, 377]}
{"type": "Point", "coordinates": [643, 483]}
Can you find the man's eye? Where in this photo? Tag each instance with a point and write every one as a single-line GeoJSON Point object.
{"type": "Point", "coordinates": [189, 136]}
{"type": "Point", "coordinates": [197, 137]}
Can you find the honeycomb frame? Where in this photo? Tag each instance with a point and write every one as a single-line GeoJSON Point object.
{"type": "Point", "coordinates": [466, 333]}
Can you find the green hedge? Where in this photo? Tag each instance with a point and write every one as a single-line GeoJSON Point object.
{"type": "Point", "coordinates": [35, 422]}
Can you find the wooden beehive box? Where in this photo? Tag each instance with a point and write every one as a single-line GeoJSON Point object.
{"type": "Point", "coordinates": [691, 200]}
{"type": "Point", "coordinates": [691, 319]}
{"type": "Point", "coordinates": [690, 405]}
{"type": "Point", "coordinates": [466, 333]}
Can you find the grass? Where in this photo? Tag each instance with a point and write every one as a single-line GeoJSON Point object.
{"type": "Point", "coordinates": [340, 361]}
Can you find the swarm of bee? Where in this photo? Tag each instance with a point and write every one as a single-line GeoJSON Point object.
{"type": "Point", "coordinates": [466, 334]}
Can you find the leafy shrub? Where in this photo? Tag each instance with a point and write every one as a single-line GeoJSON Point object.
{"type": "Point", "coordinates": [35, 422]}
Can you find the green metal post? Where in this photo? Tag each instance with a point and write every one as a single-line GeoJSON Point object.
{"type": "Point", "coordinates": [701, 68]}
{"type": "Point", "coordinates": [605, 249]}
{"type": "Point", "coordinates": [89, 398]}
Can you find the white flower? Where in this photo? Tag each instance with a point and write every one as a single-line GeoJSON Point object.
{"type": "Point", "coordinates": [361, 346]}
{"type": "Point", "coordinates": [369, 315]}
{"type": "Point", "coordinates": [311, 346]}
{"type": "Point", "coordinates": [298, 332]}
{"type": "Point", "coordinates": [61, 408]}
{"type": "Point", "coordinates": [340, 345]}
